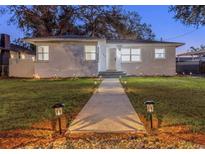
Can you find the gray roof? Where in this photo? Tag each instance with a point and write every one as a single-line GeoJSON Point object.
{"type": "Point", "coordinates": [65, 37]}
{"type": "Point", "coordinates": [17, 48]}
{"type": "Point", "coordinates": [192, 53]}
{"type": "Point", "coordinates": [84, 37]}
{"type": "Point", "coordinates": [139, 41]}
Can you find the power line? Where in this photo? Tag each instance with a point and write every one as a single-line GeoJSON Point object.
{"type": "Point", "coordinates": [182, 35]}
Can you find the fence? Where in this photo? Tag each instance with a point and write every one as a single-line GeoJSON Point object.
{"type": "Point", "coordinates": [4, 69]}
{"type": "Point", "coordinates": [195, 67]}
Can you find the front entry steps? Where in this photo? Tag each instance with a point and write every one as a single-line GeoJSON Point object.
{"type": "Point", "coordinates": [112, 74]}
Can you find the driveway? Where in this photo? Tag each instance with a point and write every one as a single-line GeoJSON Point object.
{"type": "Point", "coordinates": [108, 111]}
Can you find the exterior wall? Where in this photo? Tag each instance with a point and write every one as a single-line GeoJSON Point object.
{"type": "Point", "coordinates": [21, 68]}
{"type": "Point", "coordinates": [66, 60]}
{"type": "Point", "coordinates": [151, 66]}
{"type": "Point", "coordinates": [148, 65]}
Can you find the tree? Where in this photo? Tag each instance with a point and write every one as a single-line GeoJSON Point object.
{"type": "Point", "coordinates": [113, 22]}
{"type": "Point", "coordinates": [189, 14]}
{"type": "Point", "coordinates": [202, 47]}
{"type": "Point", "coordinates": [94, 21]}
{"type": "Point", "coordinates": [43, 20]}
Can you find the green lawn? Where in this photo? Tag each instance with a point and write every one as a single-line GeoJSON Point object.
{"type": "Point", "coordinates": [180, 100]}
{"type": "Point", "coordinates": [23, 102]}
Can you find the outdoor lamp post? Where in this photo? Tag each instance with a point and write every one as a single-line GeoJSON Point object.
{"type": "Point", "coordinates": [150, 109]}
{"type": "Point", "coordinates": [100, 77]}
{"type": "Point", "coordinates": [58, 108]}
{"type": "Point", "coordinates": [125, 83]}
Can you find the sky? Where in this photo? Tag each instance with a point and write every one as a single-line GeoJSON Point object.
{"type": "Point", "coordinates": [163, 25]}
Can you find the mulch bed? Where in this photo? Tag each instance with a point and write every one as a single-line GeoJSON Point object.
{"type": "Point", "coordinates": [42, 135]}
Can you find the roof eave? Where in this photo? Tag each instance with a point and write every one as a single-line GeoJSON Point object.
{"type": "Point", "coordinates": [36, 40]}
{"type": "Point", "coordinates": [139, 43]}
{"type": "Point", "coordinates": [179, 44]}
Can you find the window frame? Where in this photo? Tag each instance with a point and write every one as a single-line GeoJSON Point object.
{"type": "Point", "coordinates": [131, 55]}
{"type": "Point", "coordinates": [127, 54]}
{"type": "Point", "coordinates": [42, 53]}
{"type": "Point", "coordinates": [90, 53]}
{"type": "Point", "coordinates": [164, 54]}
{"type": "Point", "coordinates": [136, 54]}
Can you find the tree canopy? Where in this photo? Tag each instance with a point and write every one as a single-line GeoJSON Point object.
{"type": "Point", "coordinates": [202, 47]}
{"type": "Point", "coordinates": [189, 14]}
{"type": "Point", "coordinates": [95, 21]}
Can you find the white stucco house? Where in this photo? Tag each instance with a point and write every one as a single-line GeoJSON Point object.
{"type": "Point", "coordinates": [66, 56]}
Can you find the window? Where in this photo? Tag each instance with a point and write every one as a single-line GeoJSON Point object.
{"type": "Point", "coordinates": [43, 53]}
{"type": "Point", "coordinates": [160, 53]}
{"type": "Point", "coordinates": [125, 54]}
{"type": "Point", "coordinates": [135, 55]}
{"type": "Point", "coordinates": [90, 52]}
{"type": "Point", "coordinates": [130, 55]}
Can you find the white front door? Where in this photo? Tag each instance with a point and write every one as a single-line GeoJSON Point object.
{"type": "Point", "coordinates": [112, 59]}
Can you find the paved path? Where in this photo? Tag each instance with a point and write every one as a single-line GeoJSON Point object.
{"type": "Point", "coordinates": [108, 111]}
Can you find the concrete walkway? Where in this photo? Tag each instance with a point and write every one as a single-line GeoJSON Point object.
{"type": "Point", "coordinates": [108, 111]}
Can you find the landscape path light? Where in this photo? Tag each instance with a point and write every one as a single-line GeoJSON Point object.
{"type": "Point", "coordinates": [95, 83]}
{"type": "Point", "coordinates": [58, 108]}
{"type": "Point", "coordinates": [150, 109]}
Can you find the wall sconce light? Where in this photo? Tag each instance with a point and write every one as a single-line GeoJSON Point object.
{"type": "Point", "coordinates": [12, 56]}
{"type": "Point", "coordinates": [36, 76]}
{"type": "Point", "coordinates": [23, 56]}
{"type": "Point", "coordinates": [33, 58]}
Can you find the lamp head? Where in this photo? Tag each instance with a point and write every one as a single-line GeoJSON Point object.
{"type": "Point", "coordinates": [58, 107]}
{"type": "Point", "coordinates": [150, 106]}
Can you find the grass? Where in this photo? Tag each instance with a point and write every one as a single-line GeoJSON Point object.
{"type": "Point", "coordinates": [25, 101]}
{"type": "Point", "coordinates": [179, 100]}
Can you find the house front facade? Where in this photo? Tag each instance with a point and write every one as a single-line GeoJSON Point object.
{"type": "Point", "coordinates": [82, 56]}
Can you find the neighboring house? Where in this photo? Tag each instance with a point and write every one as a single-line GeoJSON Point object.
{"type": "Point", "coordinates": [191, 62]}
{"type": "Point", "coordinates": [68, 56]}
{"type": "Point", "coordinates": [11, 51]}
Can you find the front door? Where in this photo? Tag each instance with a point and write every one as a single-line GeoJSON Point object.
{"type": "Point", "coordinates": [112, 59]}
